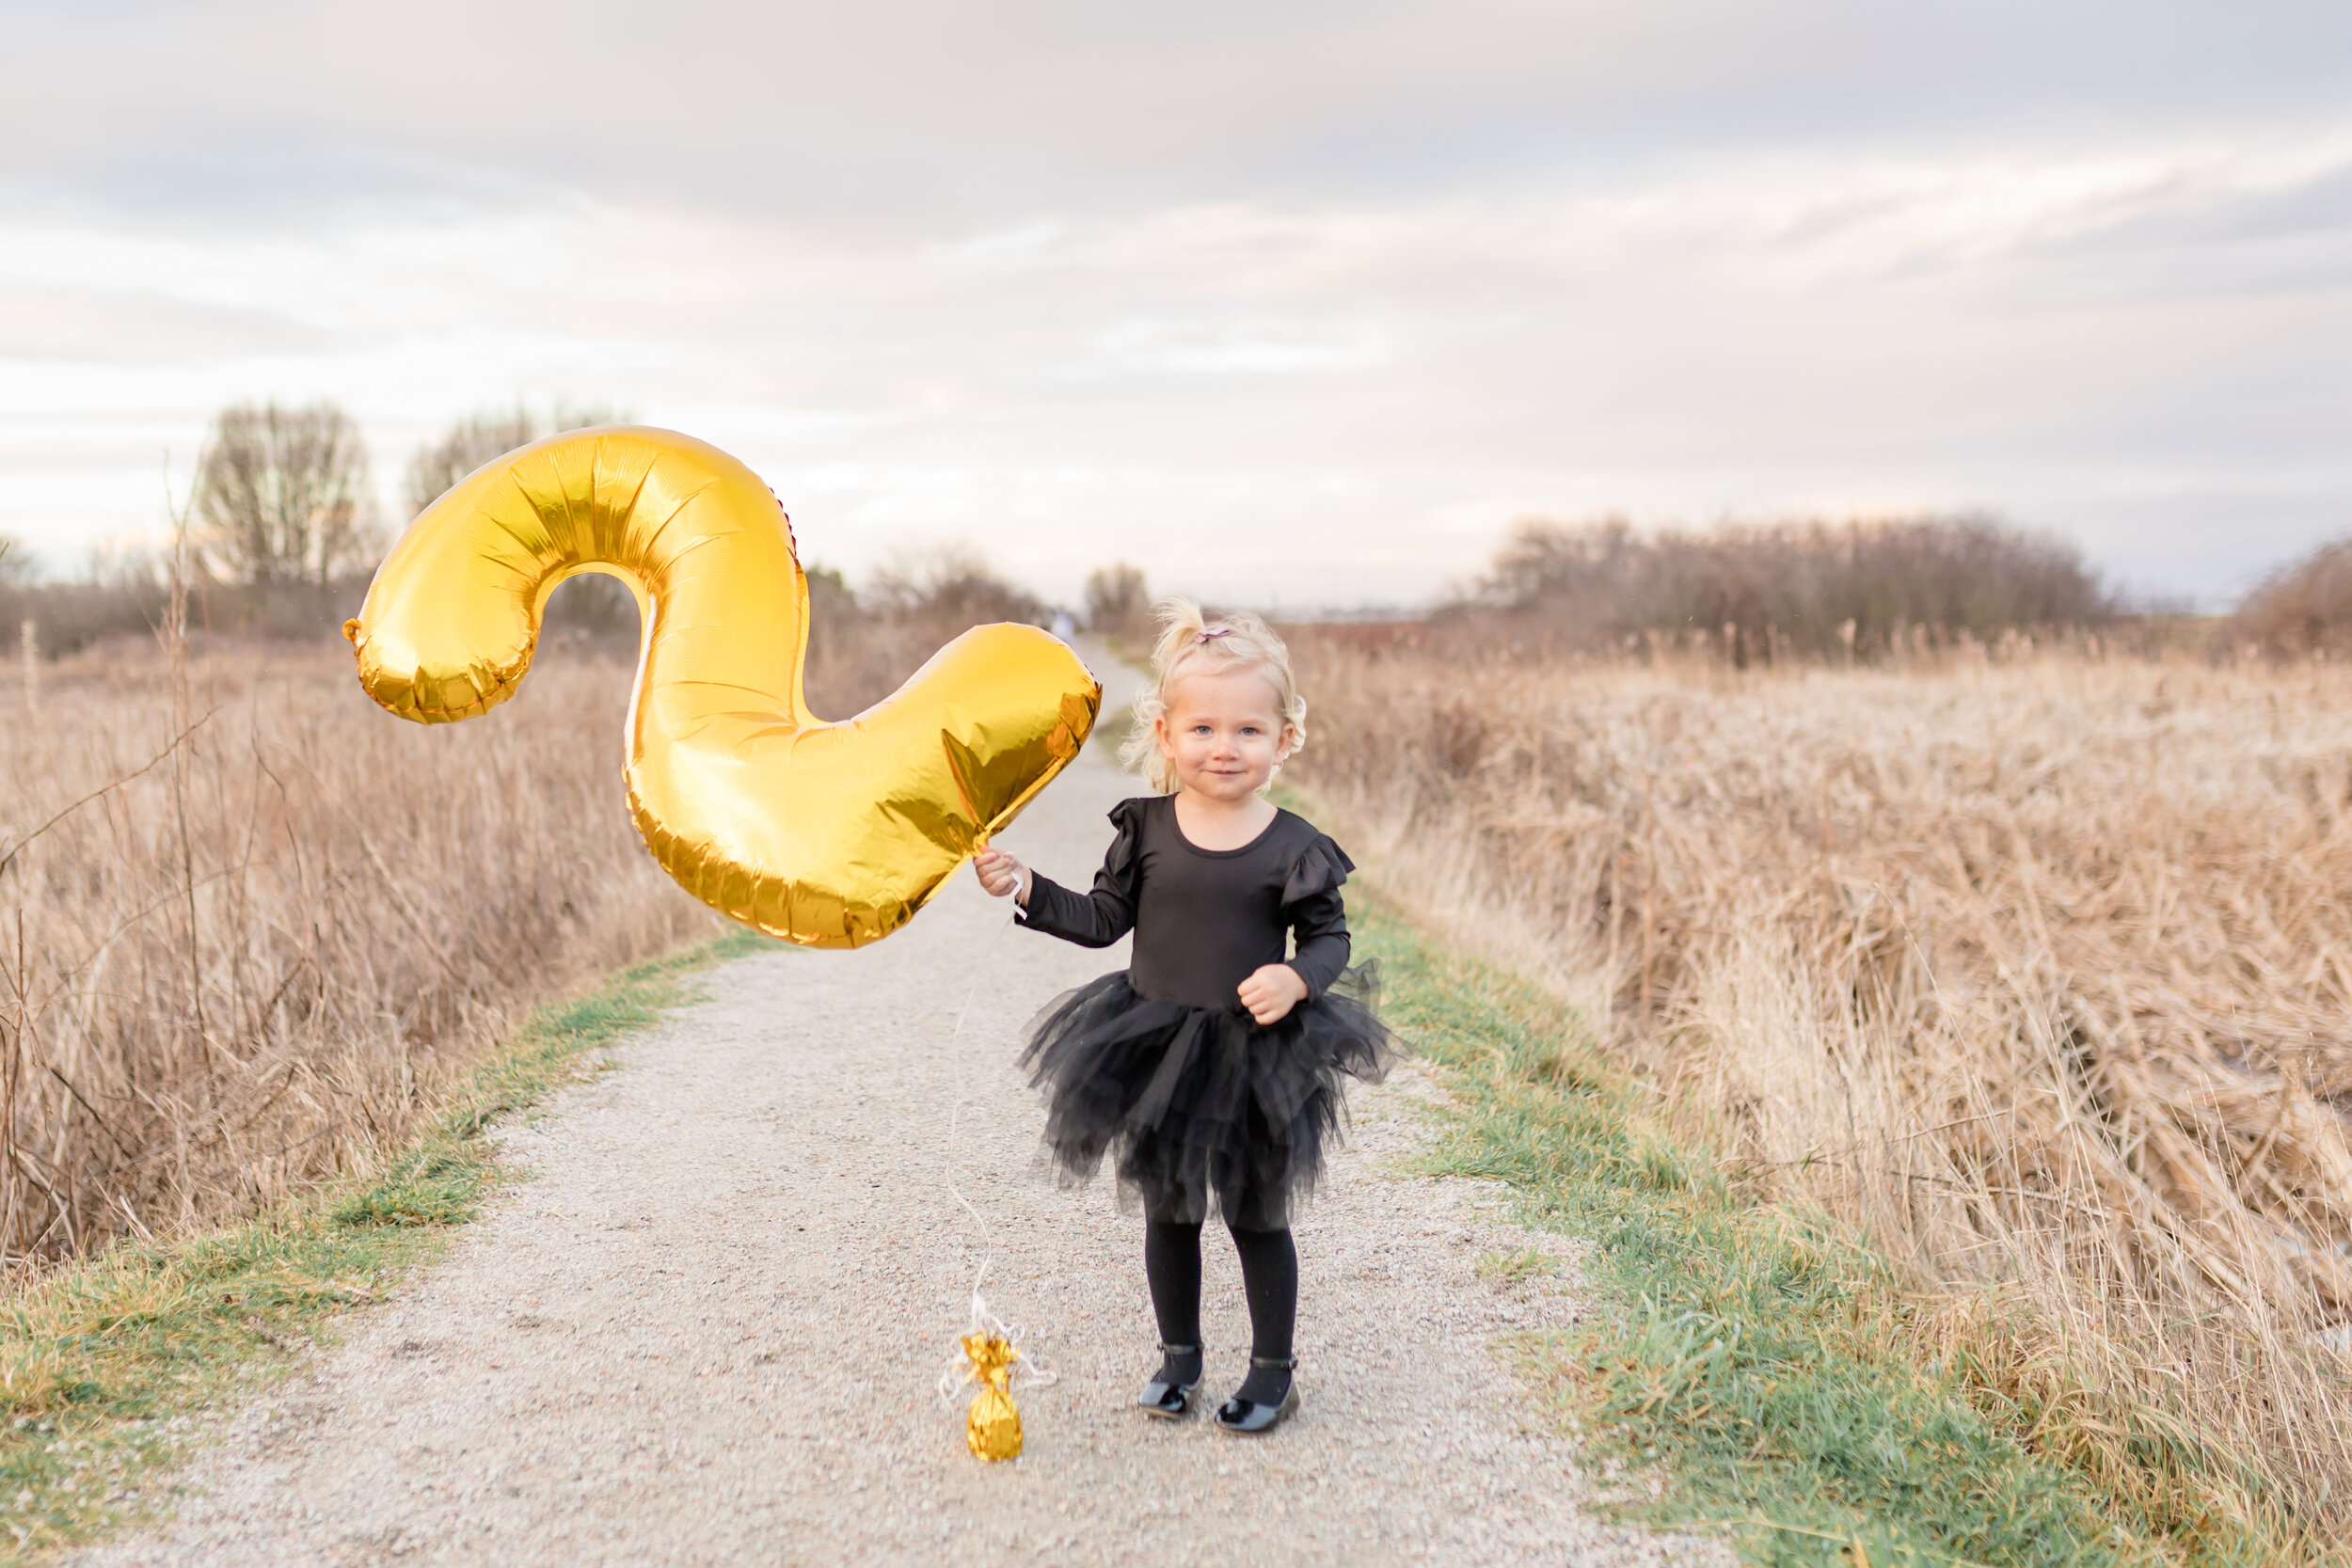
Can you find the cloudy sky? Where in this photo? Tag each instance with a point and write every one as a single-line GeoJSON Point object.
{"type": "Point", "coordinates": [1301, 303]}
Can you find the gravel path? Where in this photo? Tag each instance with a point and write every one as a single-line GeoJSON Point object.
{"type": "Point", "coordinates": [708, 1331]}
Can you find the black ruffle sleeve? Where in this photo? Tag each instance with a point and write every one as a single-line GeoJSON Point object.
{"type": "Point", "coordinates": [1107, 913]}
{"type": "Point", "coordinates": [1317, 916]}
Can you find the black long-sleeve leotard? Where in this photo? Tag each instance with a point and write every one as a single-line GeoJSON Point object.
{"type": "Point", "coordinates": [1205, 920]}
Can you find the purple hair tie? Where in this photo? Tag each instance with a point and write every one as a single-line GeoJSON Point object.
{"type": "Point", "coordinates": [1208, 632]}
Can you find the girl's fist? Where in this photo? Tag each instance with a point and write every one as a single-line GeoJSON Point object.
{"type": "Point", "coordinates": [1272, 993]}
{"type": "Point", "coordinates": [1000, 874]}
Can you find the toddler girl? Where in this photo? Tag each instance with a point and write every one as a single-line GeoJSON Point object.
{"type": "Point", "coordinates": [1213, 1065]}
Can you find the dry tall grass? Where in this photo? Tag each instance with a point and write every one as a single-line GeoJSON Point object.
{"type": "Point", "coordinates": [2038, 969]}
{"type": "Point", "coordinates": [245, 966]}
{"type": "Point", "coordinates": [248, 922]}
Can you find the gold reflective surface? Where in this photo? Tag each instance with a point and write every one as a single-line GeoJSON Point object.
{"type": "Point", "coordinates": [991, 1427]}
{"type": "Point", "coordinates": [825, 834]}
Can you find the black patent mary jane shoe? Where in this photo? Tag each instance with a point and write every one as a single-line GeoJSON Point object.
{"type": "Point", "coordinates": [1163, 1396]}
{"type": "Point", "coordinates": [1250, 1417]}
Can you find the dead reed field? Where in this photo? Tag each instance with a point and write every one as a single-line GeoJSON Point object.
{"type": "Point", "coordinates": [248, 922]}
{"type": "Point", "coordinates": [2038, 968]}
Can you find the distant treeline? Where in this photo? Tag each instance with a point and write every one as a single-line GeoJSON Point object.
{"type": "Point", "coordinates": [1859, 590]}
{"type": "Point", "coordinates": [281, 533]}
{"type": "Point", "coordinates": [1760, 592]}
{"type": "Point", "coordinates": [279, 538]}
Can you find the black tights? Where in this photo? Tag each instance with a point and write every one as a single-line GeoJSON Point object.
{"type": "Point", "coordinates": [1269, 1276]}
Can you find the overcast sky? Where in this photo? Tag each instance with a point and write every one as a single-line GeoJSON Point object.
{"type": "Point", "coordinates": [1297, 304]}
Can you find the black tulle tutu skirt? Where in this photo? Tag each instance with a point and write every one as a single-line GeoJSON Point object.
{"type": "Point", "coordinates": [1203, 1110]}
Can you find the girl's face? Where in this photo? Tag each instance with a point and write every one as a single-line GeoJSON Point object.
{"type": "Point", "coordinates": [1223, 733]}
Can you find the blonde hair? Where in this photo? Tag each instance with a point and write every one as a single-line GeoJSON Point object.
{"type": "Point", "coordinates": [1190, 640]}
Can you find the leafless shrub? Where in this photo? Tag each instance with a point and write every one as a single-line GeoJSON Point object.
{"type": "Point", "coordinates": [863, 646]}
{"type": "Point", "coordinates": [949, 587]}
{"type": "Point", "coordinates": [2032, 964]}
{"type": "Point", "coordinates": [125, 599]}
{"type": "Point", "coordinates": [2301, 609]}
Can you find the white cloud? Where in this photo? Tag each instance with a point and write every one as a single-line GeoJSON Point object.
{"type": "Point", "coordinates": [1304, 306]}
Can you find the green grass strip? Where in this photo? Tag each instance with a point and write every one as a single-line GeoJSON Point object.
{"type": "Point", "coordinates": [1745, 1355]}
{"type": "Point", "coordinates": [103, 1366]}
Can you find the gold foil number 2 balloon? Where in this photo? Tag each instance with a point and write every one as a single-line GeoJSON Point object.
{"type": "Point", "coordinates": [829, 835]}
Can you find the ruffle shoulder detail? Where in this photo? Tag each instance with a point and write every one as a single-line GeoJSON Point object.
{"type": "Point", "coordinates": [1321, 866]}
{"type": "Point", "coordinates": [1127, 817]}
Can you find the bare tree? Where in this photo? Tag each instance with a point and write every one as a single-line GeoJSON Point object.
{"type": "Point", "coordinates": [479, 438]}
{"type": "Point", "coordinates": [281, 497]}
{"type": "Point", "coordinates": [1118, 604]}
{"type": "Point", "coordinates": [590, 602]}
{"type": "Point", "coordinates": [947, 589]}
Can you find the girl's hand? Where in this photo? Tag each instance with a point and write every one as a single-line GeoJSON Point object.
{"type": "Point", "coordinates": [1272, 993]}
{"type": "Point", "coordinates": [1000, 874]}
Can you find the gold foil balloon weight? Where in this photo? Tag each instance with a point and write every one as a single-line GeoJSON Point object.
{"type": "Point", "coordinates": [991, 1424]}
{"type": "Point", "coordinates": [990, 1357]}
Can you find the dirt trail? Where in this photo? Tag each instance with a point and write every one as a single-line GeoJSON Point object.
{"type": "Point", "coordinates": [708, 1331]}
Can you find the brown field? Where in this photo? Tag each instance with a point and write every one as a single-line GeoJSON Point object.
{"type": "Point", "coordinates": [237, 965]}
{"type": "Point", "coordinates": [2033, 965]}
{"type": "Point", "coordinates": [248, 967]}
{"type": "Point", "coordinates": [2036, 967]}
